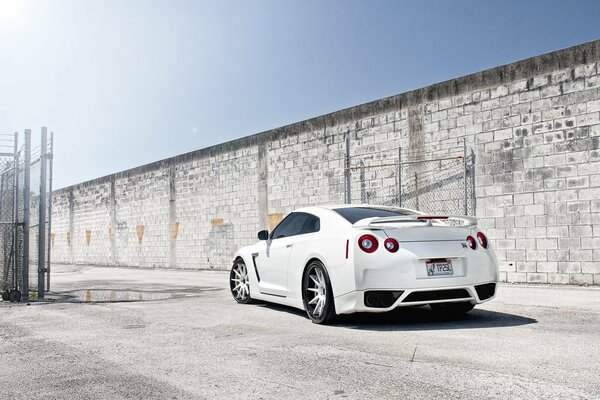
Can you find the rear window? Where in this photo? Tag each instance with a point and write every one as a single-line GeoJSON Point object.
{"type": "Point", "coordinates": [354, 214]}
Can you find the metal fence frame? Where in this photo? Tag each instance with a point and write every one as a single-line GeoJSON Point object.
{"type": "Point", "coordinates": [401, 192]}
{"type": "Point", "coordinates": [20, 207]}
{"type": "Point", "coordinates": [8, 209]}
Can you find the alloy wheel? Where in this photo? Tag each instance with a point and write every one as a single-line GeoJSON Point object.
{"type": "Point", "coordinates": [317, 285]}
{"type": "Point", "coordinates": [239, 283]}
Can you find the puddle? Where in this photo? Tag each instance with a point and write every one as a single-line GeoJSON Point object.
{"type": "Point", "coordinates": [121, 296]}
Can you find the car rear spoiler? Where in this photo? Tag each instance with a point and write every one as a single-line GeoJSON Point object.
{"type": "Point", "coordinates": [396, 222]}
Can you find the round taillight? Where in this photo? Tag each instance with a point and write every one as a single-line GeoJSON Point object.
{"type": "Point", "coordinates": [482, 240]}
{"type": "Point", "coordinates": [391, 245]}
{"type": "Point", "coordinates": [368, 243]}
{"type": "Point", "coordinates": [471, 242]}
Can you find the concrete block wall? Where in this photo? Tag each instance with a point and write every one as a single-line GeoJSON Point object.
{"type": "Point", "coordinates": [190, 215]}
{"type": "Point", "coordinates": [534, 127]}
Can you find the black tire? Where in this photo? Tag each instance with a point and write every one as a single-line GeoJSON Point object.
{"type": "Point", "coordinates": [14, 296]}
{"type": "Point", "coordinates": [239, 282]}
{"type": "Point", "coordinates": [5, 296]}
{"type": "Point", "coordinates": [317, 297]}
{"type": "Point", "coordinates": [452, 309]}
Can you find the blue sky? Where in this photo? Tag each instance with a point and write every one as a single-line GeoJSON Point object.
{"type": "Point", "coordinates": [127, 82]}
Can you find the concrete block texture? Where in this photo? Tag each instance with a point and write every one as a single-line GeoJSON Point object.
{"type": "Point", "coordinates": [533, 127]}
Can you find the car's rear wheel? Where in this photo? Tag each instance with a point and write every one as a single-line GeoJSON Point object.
{"type": "Point", "coordinates": [317, 293]}
{"type": "Point", "coordinates": [239, 282]}
{"type": "Point", "coordinates": [452, 309]}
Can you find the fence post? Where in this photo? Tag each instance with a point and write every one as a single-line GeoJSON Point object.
{"type": "Point", "coordinates": [363, 188]}
{"type": "Point", "coordinates": [399, 176]}
{"type": "Point", "coordinates": [6, 271]}
{"type": "Point", "coordinates": [42, 218]}
{"type": "Point", "coordinates": [51, 162]}
{"type": "Point", "coordinates": [472, 175]}
{"type": "Point", "coordinates": [465, 183]}
{"type": "Point", "coordinates": [347, 198]}
{"type": "Point", "coordinates": [417, 190]}
{"type": "Point", "coordinates": [26, 205]}
{"type": "Point", "coordinates": [15, 216]}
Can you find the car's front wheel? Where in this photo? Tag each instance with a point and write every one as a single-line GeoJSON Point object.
{"type": "Point", "coordinates": [239, 282]}
{"type": "Point", "coordinates": [317, 293]}
{"type": "Point", "coordinates": [452, 309]}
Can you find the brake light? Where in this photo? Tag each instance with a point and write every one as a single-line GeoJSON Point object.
{"type": "Point", "coordinates": [482, 240]}
{"type": "Point", "coordinates": [471, 242]}
{"type": "Point", "coordinates": [368, 243]}
{"type": "Point", "coordinates": [391, 245]}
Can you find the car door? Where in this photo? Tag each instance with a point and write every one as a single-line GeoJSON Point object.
{"type": "Point", "coordinates": [304, 247]}
{"type": "Point", "coordinates": [272, 265]}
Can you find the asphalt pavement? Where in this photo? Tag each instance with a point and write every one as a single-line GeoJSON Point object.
{"type": "Point", "coordinates": [118, 333]}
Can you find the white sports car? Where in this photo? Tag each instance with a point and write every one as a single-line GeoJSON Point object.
{"type": "Point", "coordinates": [345, 259]}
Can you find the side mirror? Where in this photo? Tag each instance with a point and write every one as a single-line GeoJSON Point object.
{"type": "Point", "coordinates": [263, 235]}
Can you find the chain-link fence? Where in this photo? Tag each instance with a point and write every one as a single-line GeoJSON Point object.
{"type": "Point", "coordinates": [25, 216]}
{"type": "Point", "coordinates": [8, 226]}
{"type": "Point", "coordinates": [435, 182]}
{"type": "Point", "coordinates": [375, 183]}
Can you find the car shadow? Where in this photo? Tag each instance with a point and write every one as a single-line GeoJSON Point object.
{"type": "Point", "coordinates": [424, 319]}
{"type": "Point", "coordinates": [417, 319]}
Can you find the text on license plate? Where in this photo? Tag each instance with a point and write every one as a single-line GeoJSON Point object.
{"type": "Point", "coordinates": [439, 268]}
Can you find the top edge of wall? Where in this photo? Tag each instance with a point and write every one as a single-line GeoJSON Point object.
{"type": "Point", "coordinates": [584, 53]}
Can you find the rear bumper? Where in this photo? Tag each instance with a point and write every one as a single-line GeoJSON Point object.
{"type": "Point", "coordinates": [407, 271]}
{"type": "Point", "coordinates": [383, 300]}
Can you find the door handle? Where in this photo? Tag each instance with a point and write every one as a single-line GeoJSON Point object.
{"type": "Point", "coordinates": [289, 245]}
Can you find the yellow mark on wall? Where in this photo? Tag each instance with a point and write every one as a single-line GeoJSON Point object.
{"type": "Point", "coordinates": [174, 229]}
{"type": "Point", "coordinates": [69, 239]}
{"type": "Point", "coordinates": [216, 222]}
{"type": "Point", "coordinates": [273, 219]}
{"type": "Point", "coordinates": [111, 233]}
{"type": "Point", "coordinates": [52, 237]}
{"type": "Point", "coordinates": [88, 296]}
{"type": "Point", "coordinates": [88, 236]}
{"type": "Point", "coordinates": [140, 232]}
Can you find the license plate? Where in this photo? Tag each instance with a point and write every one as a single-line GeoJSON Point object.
{"type": "Point", "coordinates": [439, 268]}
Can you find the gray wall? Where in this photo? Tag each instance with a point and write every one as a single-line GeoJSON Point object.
{"type": "Point", "coordinates": [534, 127]}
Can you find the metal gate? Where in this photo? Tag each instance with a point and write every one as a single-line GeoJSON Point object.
{"type": "Point", "coordinates": [436, 181]}
{"type": "Point", "coordinates": [25, 207]}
